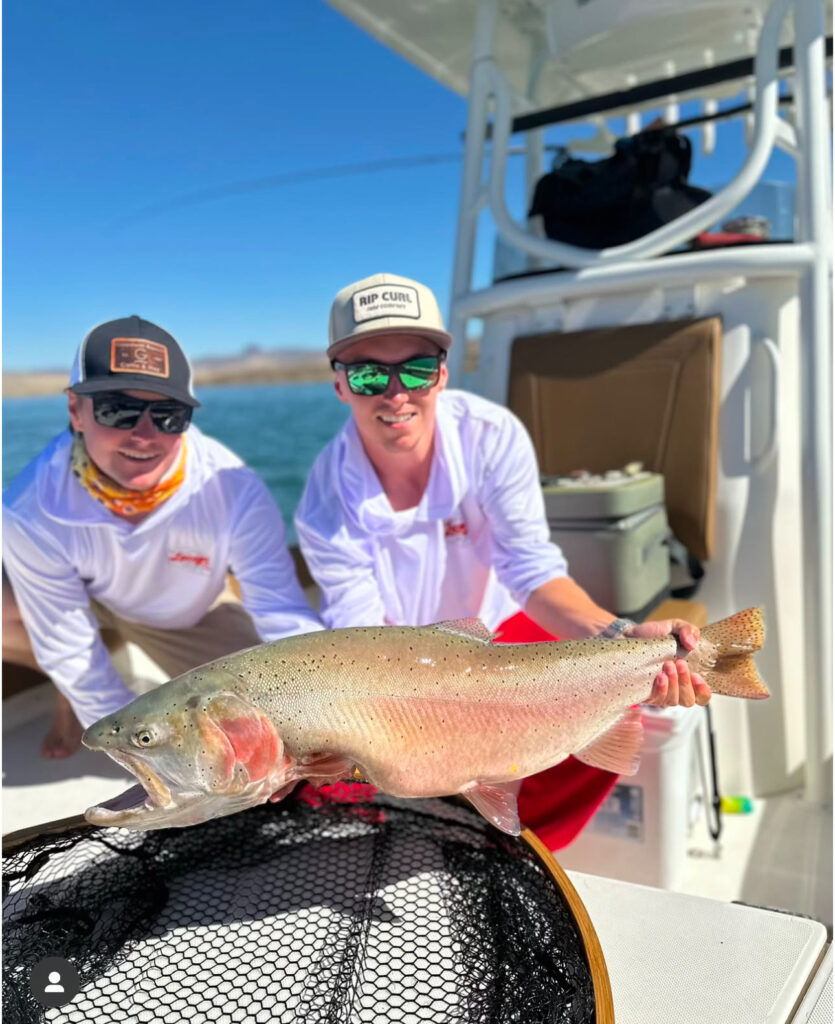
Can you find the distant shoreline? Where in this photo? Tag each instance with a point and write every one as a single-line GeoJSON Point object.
{"type": "Point", "coordinates": [245, 370]}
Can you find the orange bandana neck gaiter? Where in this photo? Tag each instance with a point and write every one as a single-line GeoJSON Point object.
{"type": "Point", "coordinates": [120, 500]}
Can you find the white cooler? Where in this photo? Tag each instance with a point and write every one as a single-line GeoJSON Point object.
{"type": "Point", "coordinates": [640, 833]}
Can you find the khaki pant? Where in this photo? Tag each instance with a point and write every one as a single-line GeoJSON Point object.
{"type": "Point", "coordinates": [224, 629]}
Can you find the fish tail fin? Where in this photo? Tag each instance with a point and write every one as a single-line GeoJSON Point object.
{"type": "Point", "coordinates": [723, 655]}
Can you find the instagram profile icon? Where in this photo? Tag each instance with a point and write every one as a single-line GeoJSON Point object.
{"type": "Point", "coordinates": [54, 981]}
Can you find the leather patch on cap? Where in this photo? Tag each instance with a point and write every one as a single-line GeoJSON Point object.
{"type": "Point", "coordinates": [137, 355]}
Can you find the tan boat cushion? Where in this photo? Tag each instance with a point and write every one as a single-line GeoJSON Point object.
{"type": "Point", "coordinates": [675, 608]}
{"type": "Point", "coordinates": [602, 398]}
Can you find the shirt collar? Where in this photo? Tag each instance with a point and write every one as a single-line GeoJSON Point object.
{"type": "Point", "coordinates": [367, 503]}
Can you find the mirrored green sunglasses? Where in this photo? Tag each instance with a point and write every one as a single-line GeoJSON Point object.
{"type": "Point", "coordinates": [416, 374]}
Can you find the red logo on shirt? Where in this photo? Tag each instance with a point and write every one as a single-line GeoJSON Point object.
{"type": "Point", "coordinates": [201, 561]}
{"type": "Point", "coordinates": [452, 529]}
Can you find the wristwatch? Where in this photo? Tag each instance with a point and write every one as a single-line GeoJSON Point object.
{"type": "Point", "coordinates": [616, 628]}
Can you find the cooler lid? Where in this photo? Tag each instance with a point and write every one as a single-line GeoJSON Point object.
{"type": "Point", "coordinates": [610, 495]}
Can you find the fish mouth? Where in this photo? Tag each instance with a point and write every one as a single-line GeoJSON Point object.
{"type": "Point", "coordinates": [130, 800]}
{"type": "Point", "coordinates": [151, 795]}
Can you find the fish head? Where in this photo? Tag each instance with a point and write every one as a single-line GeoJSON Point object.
{"type": "Point", "coordinates": [195, 757]}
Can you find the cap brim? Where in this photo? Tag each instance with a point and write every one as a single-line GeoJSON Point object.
{"type": "Point", "coordinates": [442, 338]}
{"type": "Point", "coordinates": [129, 382]}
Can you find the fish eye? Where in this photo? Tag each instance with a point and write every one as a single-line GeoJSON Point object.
{"type": "Point", "coordinates": [144, 737]}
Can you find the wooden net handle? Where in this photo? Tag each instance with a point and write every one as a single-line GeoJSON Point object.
{"type": "Point", "coordinates": [12, 839]}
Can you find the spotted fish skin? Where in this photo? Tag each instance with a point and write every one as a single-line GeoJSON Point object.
{"type": "Point", "coordinates": [417, 711]}
{"type": "Point", "coordinates": [423, 711]}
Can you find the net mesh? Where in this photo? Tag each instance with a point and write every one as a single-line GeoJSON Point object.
{"type": "Point", "coordinates": [332, 906]}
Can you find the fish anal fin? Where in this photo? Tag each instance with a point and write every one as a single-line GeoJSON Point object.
{"type": "Point", "coordinates": [473, 629]}
{"type": "Point", "coordinates": [497, 802]}
{"type": "Point", "coordinates": [618, 748]}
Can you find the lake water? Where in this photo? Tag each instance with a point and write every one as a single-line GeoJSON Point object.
{"type": "Point", "coordinates": [276, 429]}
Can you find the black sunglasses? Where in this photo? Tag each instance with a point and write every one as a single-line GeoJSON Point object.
{"type": "Point", "coordinates": [416, 374]}
{"type": "Point", "coordinates": [123, 412]}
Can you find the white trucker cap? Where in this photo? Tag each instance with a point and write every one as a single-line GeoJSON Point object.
{"type": "Point", "coordinates": [384, 304]}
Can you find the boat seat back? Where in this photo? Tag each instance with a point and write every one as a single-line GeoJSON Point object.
{"type": "Point", "coordinates": [602, 398]}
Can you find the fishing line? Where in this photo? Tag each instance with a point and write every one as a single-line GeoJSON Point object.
{"type": "Point", "coordinates": [272, 181]}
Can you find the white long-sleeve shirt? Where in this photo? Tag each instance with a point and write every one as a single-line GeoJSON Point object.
{"type": "Point", "coordinates": [476, 545]}
{"type": "Point", "coordinates": [61, 547]}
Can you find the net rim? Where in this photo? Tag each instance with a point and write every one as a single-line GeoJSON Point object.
{"type": "Point", "coordinates": [603, 1000]}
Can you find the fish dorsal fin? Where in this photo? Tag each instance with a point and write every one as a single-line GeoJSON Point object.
{"type": "Point", "coordinates": [497, 802]}
{"type": "Point", "coordinates": [473, 629]}
{"type": "Point", "coordinates": [618, 748]}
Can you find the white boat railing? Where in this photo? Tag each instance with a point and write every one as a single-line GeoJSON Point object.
{"type": "Point", "coordinates": [487, 84]}
{"type": "Point", "coordinates": [785, 260]}
{"type": "Point", "coordinates": [488, 77]}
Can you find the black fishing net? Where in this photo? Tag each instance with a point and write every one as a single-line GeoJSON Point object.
{"type": "Point", "coordinates": [314, 910]}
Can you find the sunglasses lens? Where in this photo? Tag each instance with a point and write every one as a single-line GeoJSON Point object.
{"type": "Point", "coordinates": [367, 378]}
{"type": "Point", "coordinates": [121, 412]}
{"type": "Point", "coordinates": [170, 418]}
{"type": "Point", "coordinates": [416, 374]}
{"type": "Point", "coordinates": [116, 412]}
{"type": "Point", "coordinates": [419, 374]}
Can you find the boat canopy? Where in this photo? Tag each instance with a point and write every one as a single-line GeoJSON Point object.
{"type": "Point", "coordinates": [553, 53]}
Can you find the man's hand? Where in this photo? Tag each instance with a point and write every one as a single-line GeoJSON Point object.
{"type": "Point", "coordinates": [675, 683]}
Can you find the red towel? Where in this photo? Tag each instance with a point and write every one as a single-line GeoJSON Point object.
{"type": "Point", "coordinates": [558, 802]}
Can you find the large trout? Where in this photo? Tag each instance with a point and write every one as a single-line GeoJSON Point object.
{"type": "Point", "coordinates": [418, 712]}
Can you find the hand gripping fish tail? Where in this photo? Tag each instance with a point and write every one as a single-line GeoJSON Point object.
{"type": "Point", "coordinates": [723, 655]}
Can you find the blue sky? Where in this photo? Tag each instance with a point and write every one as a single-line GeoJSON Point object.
{"type": "Point", "coordinates": [118, 115]}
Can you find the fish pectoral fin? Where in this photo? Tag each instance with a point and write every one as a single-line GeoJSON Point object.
{"type": "Point", "coordinates": [618, 748]}
{"type": "Point", "coordinates": [324, 767]}
{"type": "Point", "coordinates": [497, 802]}
{"type": "Point", "coordinates": [473, 629]}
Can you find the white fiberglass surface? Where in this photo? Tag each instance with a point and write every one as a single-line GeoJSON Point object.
{"type": "Point", "coordinates": [598, 48]}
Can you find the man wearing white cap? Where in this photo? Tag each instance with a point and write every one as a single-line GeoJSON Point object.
{"type": "Point", "coordinates": [130, 522]}
{"type": "Point", "coordinates": [427, 506]}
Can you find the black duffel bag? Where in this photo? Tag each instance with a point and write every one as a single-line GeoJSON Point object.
{"type": "Point", "coordinates": [603, 203]}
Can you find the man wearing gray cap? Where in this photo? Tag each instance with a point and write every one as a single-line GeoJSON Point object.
{"type": "Point", "coordinates": [427, 506]}
{"type": "Point", "coordinates": [130, 522]}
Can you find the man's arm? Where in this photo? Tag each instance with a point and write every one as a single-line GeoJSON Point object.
{"type": "Point", "coordinates": [270, 590]}
{"type": "Point", "coordinates": [564, 609]}
{"type": "Point", "coordinates": [62, 629]}
{"type": "Point", "coordinates": [342, 569]}
{"type": "Point", "coordinates": [525, 564]}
